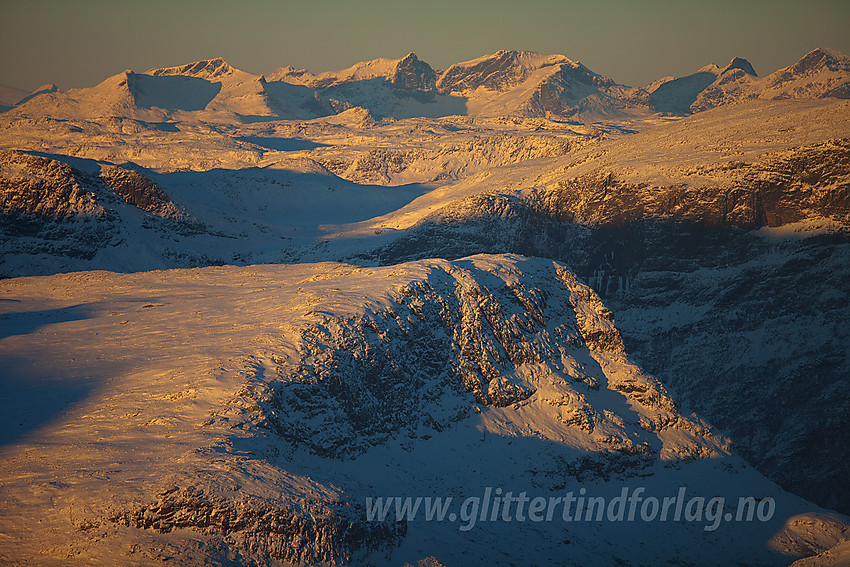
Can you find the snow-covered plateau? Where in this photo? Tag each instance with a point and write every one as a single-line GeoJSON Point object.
{"type": "Point", "coordinates": [506, 313]}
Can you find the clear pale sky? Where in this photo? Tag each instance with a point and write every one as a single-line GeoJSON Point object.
{"type": "Point", "coordinates": [78, 43]}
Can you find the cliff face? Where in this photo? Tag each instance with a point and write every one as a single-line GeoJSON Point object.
{"type": "Point", "coordinates": [472, 327]}
{"type": "Point", "coordinates": [51, 209]}
{"type": "Point", "coordinates": [41, 187]}
{"type": "Point", "coordinates": [724, 260]}
{"type": "Point", "coordinates": [305, 390]}
{"type": "Point", "coordinates": [806, 181]}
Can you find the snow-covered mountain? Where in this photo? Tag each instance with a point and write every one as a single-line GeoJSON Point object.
{"type": "Point", "coordinates": [210, 90]}
{"type": "Point", "coordinates": [531, 84]}
{"type": "Point", "coordinates": [516, 83]}
{"type": "Point", "coordinates": [678, 95]}
{"type": "Point", "coordinates": [408, 72]}
{"type": "Point", "coordinates": [93, 215]}
{"type": "Point", "coordinates": [395, 281]}
{"type": "Point", "coordinates": [303, 390]}
{"type": "Point", "coordinates": [709, 241]}
{"type": "Point", "coordinates": [821, 73]}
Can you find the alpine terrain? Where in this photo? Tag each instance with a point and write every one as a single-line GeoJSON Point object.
{"type": "Point", "coordinates": [507, 312]}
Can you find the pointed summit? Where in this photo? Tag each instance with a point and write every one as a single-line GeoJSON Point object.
{"type": "Point", "coordinates": [820, 73]}
{"type": "Point", "coordinates": [413, 73]}
{"type": "Point", "coordinates": [742, 64]}
{"type": "Point", "coordinates": [11, 95]}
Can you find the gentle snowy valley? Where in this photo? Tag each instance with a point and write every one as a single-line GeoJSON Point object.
{"type": "Point", "coordinates": [236, 309]}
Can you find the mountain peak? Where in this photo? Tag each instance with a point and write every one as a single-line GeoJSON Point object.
{"type": "Point", "coordinates": [742, 64]}
{"type": "Point", "coordinates": [43, 89]}
{"type": "Point", "coordinates": [413, 73]}
{"type": "Point", "coordinates": [497, 71]}
{"type": "Point", "coordinates": [206, 69]}
{"type": "Point", "coordinates": [47, 88]}
{"type": "Point", "coordinates": [818, 59]}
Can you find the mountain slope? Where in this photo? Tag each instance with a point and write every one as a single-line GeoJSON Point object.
{"type": "Point", "coordinates": [708, 241]}
{"type": "Point", "coordinates": [532, 84]}
{"type": "Point", "coordinates": [821, 73]}
{"type": "Point", "coordinates": [407, 72]}
{"type": "Point", "coordinates": [59, 218]}
{"type": "Point", "coordinates": [301, 391]}
{"type": "Point", "coordinates": [241, 415]}
{"type": "Point", "coordinates": [677, 95]}
{"type": "Point", "coordinates": [9, 96]}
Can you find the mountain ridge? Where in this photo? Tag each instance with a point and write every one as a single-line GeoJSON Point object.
{"type": "Point", "coordinates": [521, 83]}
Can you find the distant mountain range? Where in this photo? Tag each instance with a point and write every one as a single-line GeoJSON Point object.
{"type": "Point", "coordinates": [518, 83]}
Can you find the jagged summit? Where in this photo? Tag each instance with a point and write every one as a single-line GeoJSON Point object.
{"type": "Point", "coordinates": [47, 87]}
{"type": "Point", "coordinates": [43, 89]}
{"type": "Point", "coordinates": [206, 69]}
{"type": "Point", "coordinates": [505, 83]}
{"type": "Point", "coordinates": [413, 73]}
{"type": "Point", "coordinates": [820, 73]}
{"type": "Point", "coordinates": [497, 71]}
{"type": "Point", "coordinates": [409, 72]}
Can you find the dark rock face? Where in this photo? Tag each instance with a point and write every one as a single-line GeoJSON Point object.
{"type": "Point", "coordinates": [311, 534]}
{"type": "Point", "coordinates": [444, 342]}
{"type": "Point", "coordinates": [50, 208]}
{"type": "Point", "coordinates": [40, 187]}
{"type": "Point", "coordinates": [139, 191]}
{"type": "Point", "coordinates": [209, 69]}
{"type": "Point", "coordinates": [814, 179]}
{"type": "Point", "coordinates": [757, 343]}
{"type": "Point", "coordinates": [411, 73]}
{"type": "Point", "coordinates": [497, 73]}
{"type": "Point", "coordinates": [743, 65]}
